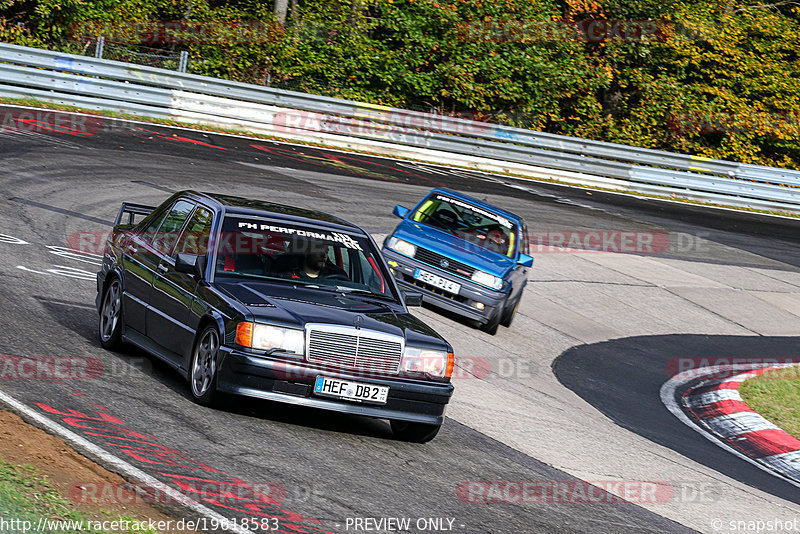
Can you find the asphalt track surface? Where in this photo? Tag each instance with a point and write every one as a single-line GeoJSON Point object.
{"type": "Point", "coordinates": [325, 470]}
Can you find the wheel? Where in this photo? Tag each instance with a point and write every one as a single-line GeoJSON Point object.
{"type": "Point", "coordinates": [510, 311]}
{"type": "Point", "coordinates": [494, 321]}
{"type": "Point", "coordinates": [110, 323]}
{"type": "Point", "coordinates": [203, 374]}
{"type": "Point", "coordinates": [414, 432]}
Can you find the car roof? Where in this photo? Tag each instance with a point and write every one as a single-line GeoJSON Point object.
{"type": "Point", "coordinates": [479, 203]}
{"type": "Point", "coordinates": [245, 206]}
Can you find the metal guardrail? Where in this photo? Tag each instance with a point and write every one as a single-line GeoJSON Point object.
{"type": "Point", "coordinates": [142, 90]}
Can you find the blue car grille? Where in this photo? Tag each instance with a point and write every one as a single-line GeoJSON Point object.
{"type": "Point", "coordinates": [444, 263]}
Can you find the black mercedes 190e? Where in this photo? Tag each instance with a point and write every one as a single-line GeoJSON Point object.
{"type": "Point", "coordinates": [276, 302]}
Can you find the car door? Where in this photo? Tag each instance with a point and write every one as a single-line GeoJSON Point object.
{"type": "Point", "coordinates": [173, 291]}
{"type": "Point", "coordinates": [139, 262]}
{"type": "Point", "coordinates": [162, 244]}
{"type": "Point", "coordinates": [519, 275]}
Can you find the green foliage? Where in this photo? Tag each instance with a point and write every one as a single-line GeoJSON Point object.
{"type": "Point", "coordinates": [25, 495]}
{"type": "Point", "coordinates": [712, 78]}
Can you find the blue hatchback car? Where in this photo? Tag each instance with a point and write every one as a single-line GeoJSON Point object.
{"type": "Point", "coordinates": [463, 255]}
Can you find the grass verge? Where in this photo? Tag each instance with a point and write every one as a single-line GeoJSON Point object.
{"type": "Point", "coordinates": [28, 500]}
{"type": "Point", "coordinates": [775, 395]}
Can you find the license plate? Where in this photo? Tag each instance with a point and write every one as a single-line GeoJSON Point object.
{"type": "Point", "coordinates": [354, 391]}
{"type": "Point", "coordinates": [437, 281]}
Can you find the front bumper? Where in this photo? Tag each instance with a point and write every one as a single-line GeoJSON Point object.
{"type": "Point", "coordinates": [416, 401]}
{"type": "Point", "coordinates": [462, 304]}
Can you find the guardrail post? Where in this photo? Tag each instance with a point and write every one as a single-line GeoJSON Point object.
{"type": "Point", "coordinates": [184, 61]}
{"type": "Point", "coordinates": [98, 50]}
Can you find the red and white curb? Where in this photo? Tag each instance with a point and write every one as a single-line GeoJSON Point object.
{"type": "Point", "coordinates": [723, 417]}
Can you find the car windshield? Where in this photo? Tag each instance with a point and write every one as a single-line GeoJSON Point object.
{"type": "Point", "coordinates": [256, 248]}
{"type": "Point", "coordinates": [474, 225]}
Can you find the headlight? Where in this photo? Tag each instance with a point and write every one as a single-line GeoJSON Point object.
{"type": "Point", "coordinates": [486, 279]}
{"type": "Point", "coordinates": [403, 247]}
{"type": "Point", "coordinates": [268, 337]}
{"type": "Point", "coordinates": [433, 362]}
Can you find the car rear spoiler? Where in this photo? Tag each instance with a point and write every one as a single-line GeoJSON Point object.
{"type": "Point", "coordinates": [131, 210]}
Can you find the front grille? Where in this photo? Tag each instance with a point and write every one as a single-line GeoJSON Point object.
{"type": "Point", "coordinates": [351, 348]}
{"type": "Point", "coordinates": [453, 266]}
{"type": "Point", "coordinates": [433, 289]}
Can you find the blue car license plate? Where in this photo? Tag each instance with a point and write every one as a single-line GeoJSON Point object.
{"type": "Point", "coordinates": [437, 281]}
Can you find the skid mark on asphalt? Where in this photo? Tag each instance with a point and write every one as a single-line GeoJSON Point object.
{"type": "Point", "coordinates": [176, 137]}
{"type": "Point", "coordinates": [59, 302]}
{"type": "Point", "coordinates": [28, 137]}
{"type": "Point", "coordinates": [154, 186]}
{"type": "Point", "coordinates": [62, 211]}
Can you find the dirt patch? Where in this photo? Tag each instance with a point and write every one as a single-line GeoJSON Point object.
{"type": "Point", "coordinates": [66, 469]}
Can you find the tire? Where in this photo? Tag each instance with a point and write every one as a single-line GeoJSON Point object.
{"type": "Point", "coordinates": [510, 311]}
{"type": "Point", "coordinates": [491, 327]}
{"type": "Point", "coordinates": [110, 321]}
{"type": "Point", "coordinates": [203, 369]}
{"type": "Point", "coordinates": [414, 432]}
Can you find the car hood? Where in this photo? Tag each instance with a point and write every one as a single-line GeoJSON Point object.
{"type": "Point", "coordinates": [288, 304]}
{"type": "Point", "coordinates": [453, 247]}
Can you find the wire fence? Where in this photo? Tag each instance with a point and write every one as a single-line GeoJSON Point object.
{"type": "Point", "coordinates": [132, 53]}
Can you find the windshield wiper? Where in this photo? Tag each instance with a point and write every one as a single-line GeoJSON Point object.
{"type": "Point", "coordinates": [360, 292]}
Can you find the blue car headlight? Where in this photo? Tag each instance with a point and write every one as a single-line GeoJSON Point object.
{"type": "Point", "coordinates": [488, 280]}
{"type": "Point", "coordinates": [403, 247]}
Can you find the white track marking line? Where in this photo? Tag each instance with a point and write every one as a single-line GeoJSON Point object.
{"type": "Point", "coordinates": [119, 464]}
{"type": "Point", "coordinates": [668, 399]}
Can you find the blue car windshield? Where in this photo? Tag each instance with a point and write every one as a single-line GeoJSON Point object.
{"type": "Point", "coordinates": [473, 224]}
{"type": "Point", "coordinates": [255, 248]}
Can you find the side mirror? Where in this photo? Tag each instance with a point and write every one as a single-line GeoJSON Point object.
{"type": "Point", "coordinates": [400, 211]}
{"type": "Point", "coordinates": [413, 298]}
{"type": "Point", "coordinates": [525, 260]}
{"type": "Point", "coordinates": [190, 263]}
